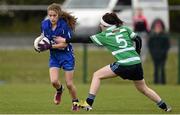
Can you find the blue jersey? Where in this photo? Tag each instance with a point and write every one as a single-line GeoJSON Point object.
{"type": "Point", "coordinates": [59, 57]}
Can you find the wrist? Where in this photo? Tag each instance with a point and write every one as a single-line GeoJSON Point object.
{"type": "Point", "coordinates": [67, 40]}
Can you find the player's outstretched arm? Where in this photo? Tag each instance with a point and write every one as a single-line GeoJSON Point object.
{"type": "Point", "coordinates": [73, 40]}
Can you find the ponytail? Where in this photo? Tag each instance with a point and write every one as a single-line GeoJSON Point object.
{"type": "Point", "coordinates": [71, 20]}
{"type": "Point", "coordinates": [112, 19]}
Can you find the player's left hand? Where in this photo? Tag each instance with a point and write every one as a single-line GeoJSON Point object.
{"type": "Point", "coordinates": [45, 46]}
{"type": "Point", "coordinates": [60, 39]}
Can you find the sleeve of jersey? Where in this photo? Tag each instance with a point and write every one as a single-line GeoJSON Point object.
{"type": "Point", "coordinates": [131, 33]}
{"type": "Point", "coordinates": [97, 39]}
{"type": "Point", "coordinates": [67, 32]}
{"type": "Point", "coordinates": [42, 31]}
{"type": "Point", "coordinates": [44, 25]}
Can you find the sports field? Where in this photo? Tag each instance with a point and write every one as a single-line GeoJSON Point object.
{"type": "Point", "coordinates": [25, 86]}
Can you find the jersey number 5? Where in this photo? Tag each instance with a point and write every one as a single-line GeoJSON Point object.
{"type": "Point", "coordinates": [121, 41]}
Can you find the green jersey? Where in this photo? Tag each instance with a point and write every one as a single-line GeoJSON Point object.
{"type": "Point", "coordinates": [119, 41]}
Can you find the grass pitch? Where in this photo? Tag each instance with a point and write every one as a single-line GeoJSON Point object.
{"type": "Point", "coordinates": [111, 99]}
{"type": "Point", "coordinates": [25, 86]}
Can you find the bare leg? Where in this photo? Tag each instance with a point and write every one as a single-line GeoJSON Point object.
{"type": "Point", "coordinates": [70, 85]}
{"type": "Point", "coordinates": [54, 75]}
{"type": "Point", "coordinates": [72, 89]}
{"type": "Point", "coordinates": [143, 88]}
{"type": "Point", "coordinates": [102, 73]}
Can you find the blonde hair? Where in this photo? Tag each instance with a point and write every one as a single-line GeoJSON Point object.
{"type": "Point", "coordinates": [71, 20]}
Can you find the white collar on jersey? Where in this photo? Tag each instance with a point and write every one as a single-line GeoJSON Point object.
{"type": "Point", "coordinates": [111, 27]}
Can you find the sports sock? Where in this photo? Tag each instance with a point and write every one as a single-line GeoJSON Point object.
{"type": "Point", "coordinates": [59, 90]}
{"type": "Point", "coordinates": [90, 99]}
{"type": "Point", "coordinates": [162, 105]}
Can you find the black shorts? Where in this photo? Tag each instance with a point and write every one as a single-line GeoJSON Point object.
{"type": "Point", "coordinates": [131, 72]}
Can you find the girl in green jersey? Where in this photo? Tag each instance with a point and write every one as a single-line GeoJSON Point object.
{"type": "Point", "coordinates": [118, 39]}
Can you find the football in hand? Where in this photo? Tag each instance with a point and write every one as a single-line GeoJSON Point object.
{"type": "Point", "coordinates": [40, 40]}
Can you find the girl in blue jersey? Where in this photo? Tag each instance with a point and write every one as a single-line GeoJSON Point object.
{"type": "Point", "coordinates": [60, 23]}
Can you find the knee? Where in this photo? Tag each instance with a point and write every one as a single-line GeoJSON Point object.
{"type": "Point", "coordinates": [54, 83]}
{"type": "Point", "coordinates": [96, 75]}
{"type": "Point", "coordinates": [69, 85]}
{"type": "Point", "coordinates": [142, 90]}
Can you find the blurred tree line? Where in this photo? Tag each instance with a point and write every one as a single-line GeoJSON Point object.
{"type": "Point", "coordinates": [29, 21]}
{"type": "Point", "coordinates": [174, 17]}
{"type": "Point", "coordinates": [23, 21]}
{"type": "Point", "coordinates": [30, 2]}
